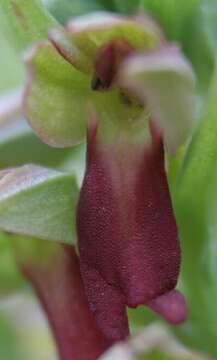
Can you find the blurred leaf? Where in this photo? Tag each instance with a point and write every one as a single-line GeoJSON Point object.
{"type": "Point", "coordinates": [38, 202]}
{"type": "Point", "coordinates": [171, 14]}
{"type": "Point", "coordinates": [10, 279]}
{"type": "Point", "coordinates": [11, 69]}
{"type": "Point", "coordinates": [127, 6]}
{"type": "Point", "coordinates": [29, 337]}
{"type": "Point", "coordinates": [10, 348]}
{"type": "Point", "coordinates": [25, 21]}
{"type": "Point", "coordinates": [64, 10]}
{"type": "Point", "coordinates": [165, 83]}
{"type": "Point", "coordinates": [153, 343]}
{"type": "Point", "coordinates": [19, 146]}
{"type": "Point", "coordinates": [195, 202]}
{"type": "Point", "coordinates": [10, 105]}
{"type": "Point", "coordinates": [209, 11]}
{"type": "Point", "coordinates": [197, 45]}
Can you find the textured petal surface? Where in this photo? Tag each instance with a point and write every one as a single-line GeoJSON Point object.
{"type": "Point", "coordinates": [126, 227]}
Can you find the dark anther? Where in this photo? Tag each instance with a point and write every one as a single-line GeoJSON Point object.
{"type": "Point", "coordinates": [97, 84]}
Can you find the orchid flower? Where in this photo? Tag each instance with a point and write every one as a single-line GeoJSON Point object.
{"type": "Point", "coordinates": [119, 81]}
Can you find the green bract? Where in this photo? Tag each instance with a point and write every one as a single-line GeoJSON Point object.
{"type": "Point", "coordinates": [55, 92]}
{"type": "Point", "coordinates": [38, 202]}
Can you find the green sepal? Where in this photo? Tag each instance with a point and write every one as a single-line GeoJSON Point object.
{"type": "Point", "coordinates": [55, 97]}
{"type": "Point", "coordinates": [89, 32]}
{"type": "Point", "coordinates": [59, 99]}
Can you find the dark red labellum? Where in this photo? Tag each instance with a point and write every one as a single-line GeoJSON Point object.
{"type": "Point", "coordinates": [128, 241]}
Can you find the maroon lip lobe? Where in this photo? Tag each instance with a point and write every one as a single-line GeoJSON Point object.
{"type": "Point", "coordinates": [128, 241]}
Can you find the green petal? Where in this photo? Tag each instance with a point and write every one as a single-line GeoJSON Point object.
{"type": "Point", "coordinates": [38, 202]}
{"type": "Point", "coordinates": [89, 32]}
{"type": "Point", "coordinates": [164, 81]}
{"type": "Point", "coordinates": [25, 21]}
{"type": "Point", "coordinates": [55, 97]}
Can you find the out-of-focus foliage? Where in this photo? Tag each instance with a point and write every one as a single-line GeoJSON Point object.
{"type": "Point", "coordinates": [195, 201]}
{"type": "Point", "coordinates": [11, 280]}
{"type": "Point", "coordinates": [127, 6]}
{"type": "Point", "coordinates": [172, 15]}
{"type": "Point", "coordinates": [10, 348]}
{"type": "Point", "coordinates": [16, 137]}
{"type": "Point", "coordinates": [155, 342]}
{"type": "Point", "coordinates": [29, 20]}
{"type": "Point", "coordinates": [11, 68]}
{"type": "Point", "coordinates": [65, 9]}
{"type": "Point", "coordinates": [24, 332]}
